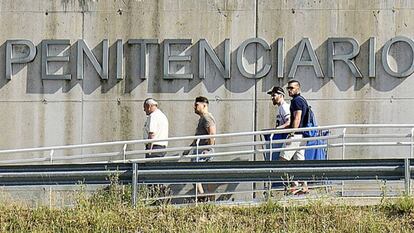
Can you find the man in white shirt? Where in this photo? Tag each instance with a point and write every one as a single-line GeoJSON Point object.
{"type": "Point", "coordinates": [155, 127]}
{"type": "Point", "coordinates": [282, 118]}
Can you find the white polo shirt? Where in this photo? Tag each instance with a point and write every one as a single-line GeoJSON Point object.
{"type": "Point", "coordinates": [157, 123]}
{"type": "Point", "coordinates": [283, 114]}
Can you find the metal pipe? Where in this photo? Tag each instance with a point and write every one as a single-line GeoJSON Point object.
{"type": "Point", "coordinates": [279, 170]}
{"type": "Point", "coordinates": [143, 141]}
{"type": "Point", "coordinates": [271, 147]}
{"type": "Point", "coordinates": [378, 135]}
{"type": "Point", "coordinates": [197, 148]}
{"type": "Point", "coordinates": [51, 174]}
{"type": "Point", "coordinates": [134, 184]}
{"type": "Point", "coordinates": [124, 152]}
{"type": "Point", "coordinates": [407, 176]}
{"type": "Point", "coordinates": [343, 143]}
{"type": "Point", "coordinates": [412, 143]}
{"type": "Point", "coordinates": [51, 155]}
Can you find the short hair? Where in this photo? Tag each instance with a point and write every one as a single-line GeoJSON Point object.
{"type": "Point", "coordinates": [294, 81]}
{"type": "Point", "coordinates": [201, 99]}
{"type": "Point", "coordinates": [150, 101]}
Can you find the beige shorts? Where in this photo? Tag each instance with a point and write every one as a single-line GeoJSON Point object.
{"type": "Point", "coordinates": [294, 154]}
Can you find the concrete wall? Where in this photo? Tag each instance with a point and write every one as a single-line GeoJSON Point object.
{"type": "Point", "coordinates": [38, 112]}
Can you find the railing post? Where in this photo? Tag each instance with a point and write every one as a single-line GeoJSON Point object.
{"type": "Point", "coordinates": [327, 145]}
{"type": "Point", "coordinates": [197, 144]}
{"type": "Point", "coordinates": [343, 157]}
{"type": "Point", "coordinates": [411, 145]}
{"type": "Point", "coordinates": [343, 143]}
{"type": "Point", "coordinates": [407, 176]}
{"type": "Point", "coordinates": [51, 155]}
{"type": "Point", "coordinates": [269, 184]}
{"type": "Point", "coordinates": [124, 152]}
{"type": "Point", "coordinates": [196, 189]}
{"type": "Point", "coordinates": [196, 194]}
{"type": "Point", "coordinates": [271, 147]}
{"type": "Point", "coordinates": [134, 184]}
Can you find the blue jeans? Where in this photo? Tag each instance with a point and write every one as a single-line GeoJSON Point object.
{"type": "Point", "coordinates": [275, 155]}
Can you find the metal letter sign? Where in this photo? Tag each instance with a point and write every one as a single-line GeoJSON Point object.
{"type": "Point", "coordinates": [385, 52]}
{"type": "Point", "coordinates": [372, 61]}
{"type": "Point", "coordinates": [170, 58]}
{"type": "Point", "coordinates": [119, 60]}
{"type": "Point", "coordinates": [46, 59]}
{"type": "Point", "coordinates": [280, 61]}
{"type": "Point", "coordinates": [11, 60]}
{"type": "Point", "coordinates": [204, 47]}
{"type": "Point", "coordinates": [101, 70]}
{"type": "Point", "coordinates": [347, 58]}
{"type": "Point", "coordinates": [179, 51]}
{"type": "Point", "coordinates": [314, 62]}
{"type": "Point", "coordinates": [240, 55]}
{"type": "Point", "coordinates": [143, 53]}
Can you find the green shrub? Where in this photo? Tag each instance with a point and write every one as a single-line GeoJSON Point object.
{"type": "Point", "coordinates": [403, 205]}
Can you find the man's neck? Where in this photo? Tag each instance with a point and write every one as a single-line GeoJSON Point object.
{"type": "Point", "coordinates": [203, 113]}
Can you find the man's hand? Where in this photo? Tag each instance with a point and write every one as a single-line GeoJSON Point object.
{"type": "Point", "coordinates": [205, 152]}
{"type": "Point", "coordinates": [290, 136]}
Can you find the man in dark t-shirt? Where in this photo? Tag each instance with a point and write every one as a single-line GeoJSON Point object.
{"type": "Point", "coordinates": [206, 126]}
{"type": "Point", "coordinates": [298, 104]}
{"type": "Point", "coordinates": [298, 112]}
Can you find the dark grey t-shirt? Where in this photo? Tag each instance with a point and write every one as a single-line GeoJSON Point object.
{"type": "Point", "coordinates": [204, 122]}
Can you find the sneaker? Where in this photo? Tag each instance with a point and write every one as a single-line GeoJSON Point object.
{"type": "Point", "coordinates": [292, 191]}
{"type": "Point", "coordinates": [302, 191]}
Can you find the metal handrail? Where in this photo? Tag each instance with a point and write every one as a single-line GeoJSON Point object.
{"type": "Point", "coordinates": [214, 172]}
{"type": "Point", "coordinates": [55, 158]}
{"type": "Point", "coordinates": [144, 141]}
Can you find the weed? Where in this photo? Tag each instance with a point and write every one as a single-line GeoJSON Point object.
{"type": "Point", "coordinates": [110, 210]}
{"type": "Point", "coordinates": [402, 206]}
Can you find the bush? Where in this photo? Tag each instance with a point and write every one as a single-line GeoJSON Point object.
{"type": "Point", "coordinates": [403, 205]}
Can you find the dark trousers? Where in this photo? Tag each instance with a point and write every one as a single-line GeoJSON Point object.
{"type": "Point", "coordinates": [155, 154]}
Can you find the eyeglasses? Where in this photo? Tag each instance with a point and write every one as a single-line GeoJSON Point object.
{"type": "Point", "coordinates": [289, 88]}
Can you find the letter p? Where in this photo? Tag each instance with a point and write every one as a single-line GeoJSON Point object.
{"type": "Point", "coordinates": [24, 59]}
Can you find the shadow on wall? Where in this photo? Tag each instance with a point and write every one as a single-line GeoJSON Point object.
{"type": "Point", "coordinates": [155, 82]}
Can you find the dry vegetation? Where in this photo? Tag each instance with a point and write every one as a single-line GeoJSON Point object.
{"type": "Point", "coordinates": [110, 211]}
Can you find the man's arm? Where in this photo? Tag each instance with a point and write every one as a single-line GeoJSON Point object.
{"type": "Point", "coordinates": [152, 129]}
{"type": "Point", "coordinates": [285, 125]}
{"type": "Point", "coordinates": [211, 131]}
{"type": "Point", "coordinates": [296, 118]}
{"type": "Point", "coordinates": [150, 135]}
{"type": "Point", "coordinates": [296, 122]}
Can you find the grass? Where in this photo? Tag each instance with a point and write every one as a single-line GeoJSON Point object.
{"type": "Point", "coordinates": [109, 210]}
